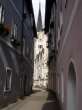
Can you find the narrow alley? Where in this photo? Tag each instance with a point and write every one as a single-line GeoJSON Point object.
{"type": "Point", "coordinates": [39, 100]}
{"type": "Point", "coordinates": [40, 54]}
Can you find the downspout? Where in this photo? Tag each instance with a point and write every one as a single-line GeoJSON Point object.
{"type": "Point", "coordinates": [22, 27]}
{"type": "Point", "coordinates": [55, 31]}
{"type": "Point", "coordinates": [56, 44]}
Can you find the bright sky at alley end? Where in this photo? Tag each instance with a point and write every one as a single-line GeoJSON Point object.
{"type": "Point", "coordinates": [36, 9]}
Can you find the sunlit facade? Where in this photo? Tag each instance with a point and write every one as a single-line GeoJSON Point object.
{"type": "Point", "coordinates": [40, 60]}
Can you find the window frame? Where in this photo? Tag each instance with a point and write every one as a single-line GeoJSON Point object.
{"type": "Point", "coordinates": [2, 13]}
{"type": "Point", "coordinates": [14, 30]}
{"type": "Point", "coordinates": [6, 79]}
{"type": "Point", "coordinates": [66, 3]}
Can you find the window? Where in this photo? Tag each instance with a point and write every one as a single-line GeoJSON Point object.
{"type": "Point", "coordinates": [52, 25]}
{"type": "Point", "coordinates": [40, 46]}
{"type": "Point", "coordinates": [27, 50]}
{"type": "Point", "coordinates": [31, 55]}
{"type": "Point", "coordinates": [14, 31]}
{"type": "Point", "coordinates": [31, 20]}
{"type": "Point", "coordinates": [21, 83]}
{"type": "Point", "coordinates": [61, 19]}
{"type": "Point", "coordinates": [58, 39]}
{"type": "Point", "coordinates": [25, 12]}
{"type": "Point", "coordinates": [62, 87]}
{"type": "Point", "coordinates": [24, 47]}
{"type": "Point", "coordinates": [58, 86]}
{"type": "Point", "coordinates": [1, 14]}
{"type": "Point", "coordinates": [66, 2]}
{"type": "Point", "coordinates": [8, 79]}
{"type": "Point", "coordinates": [61, 5]}
{"type": "Point", "coordinates": [51, 35]}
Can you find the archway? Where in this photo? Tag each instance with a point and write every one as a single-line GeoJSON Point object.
{"type": "Point", "coordinates": [71, 88]}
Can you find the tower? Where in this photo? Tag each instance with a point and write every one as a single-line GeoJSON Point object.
{"type": "Point", "coordinates": [39, 22]}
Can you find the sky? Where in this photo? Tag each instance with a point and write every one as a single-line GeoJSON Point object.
{"type": "Point", "coordinates": [36, 10]}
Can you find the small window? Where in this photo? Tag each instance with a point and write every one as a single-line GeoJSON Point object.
{"type": "Point", "coordinates": [40, 46]}
{"type": "Point", "coordinates": [61, 19]}
{"type": "Point", "coordinates": [58, 39]}
{"type": "Point", "coordinates": [66, 2]}
{"type": "Point", "coordinates": [8, 79]}
{"type": "Point", "coordinates": [12, 28]}
{"type": "Point", "coordinates": [24, 47]}
{"type": "Point", "coordinates": [62, 87]}
{"type": "Point", "coordinates": [58, 86]}
{"type": "Point", "coordinates": [31, 20]}
{"type": "Point", "coordinates": [1, 14]}
{"type": "Point", "coordinates": [31, 55]}
{"type": "Point", "coordinates": [14, 31]}
{"type": "Point", "coordinates": [52, 25]}
{"type": "Point", "coordinates": [27, 50]}
{"type": "Point", "coordinates": [21, 83]}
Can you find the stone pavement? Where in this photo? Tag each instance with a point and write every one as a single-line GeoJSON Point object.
{"type": "Point", "coordinates": [39, 100]}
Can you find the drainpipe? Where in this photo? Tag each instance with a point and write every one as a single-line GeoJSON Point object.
{"type": "Point", "coordinates": [55, 30]}
{"type": "Point", "coordinates": [22, 27]}
{"type": "Point", "coordinates": [56, 44]}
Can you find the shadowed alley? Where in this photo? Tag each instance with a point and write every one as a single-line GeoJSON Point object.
{"type": "Point", "coordinates": [39, 100]}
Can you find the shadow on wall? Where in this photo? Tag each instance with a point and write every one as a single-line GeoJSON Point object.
{"type": "Point", "coordinates": [52, 102]}
{"type": "Point", "coordinates": [5, 102]}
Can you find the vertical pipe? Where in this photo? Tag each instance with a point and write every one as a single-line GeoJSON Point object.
{"type": "Point", "coordinates": [22, 27]}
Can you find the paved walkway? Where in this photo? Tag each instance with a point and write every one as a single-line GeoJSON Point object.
{"type": "Point", "coordinates": [39, 100]}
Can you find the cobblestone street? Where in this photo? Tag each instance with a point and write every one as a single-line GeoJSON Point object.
{"type": "Point", "coordinates": [39, 100]}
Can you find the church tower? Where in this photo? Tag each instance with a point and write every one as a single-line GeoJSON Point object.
{"type": "Point", "coordinates": [39, 22]}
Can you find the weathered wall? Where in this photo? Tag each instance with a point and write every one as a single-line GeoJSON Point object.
{"type": "Point", "coordinates": [70, 51]}
{"type": "Point", "coordinates": [21, 66]}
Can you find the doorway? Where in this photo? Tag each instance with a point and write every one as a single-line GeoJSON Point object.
{"type": "Point", "coordinates": [71, 88]}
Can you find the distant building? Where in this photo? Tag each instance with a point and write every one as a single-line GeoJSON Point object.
{"type": "Point", "coordinates": [40, 55]}
{"type": "Point", "coordinates": [39, 22]}
{"type": "Point", "coordinates": [40, 61]}
{"type": "Point", "coordinates": [63, 24]}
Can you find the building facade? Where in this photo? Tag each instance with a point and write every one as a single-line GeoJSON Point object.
{"type": "Point", "coordinates": [50, 30]}
{"type": "Point", "coordinates": [40, 55]}
{"type": "Point", "coordinates": [17, 32]}
{"type": "Point", "coordinates": [67, 49]}
{"type": "Point", "coordinates": [40, 60]}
